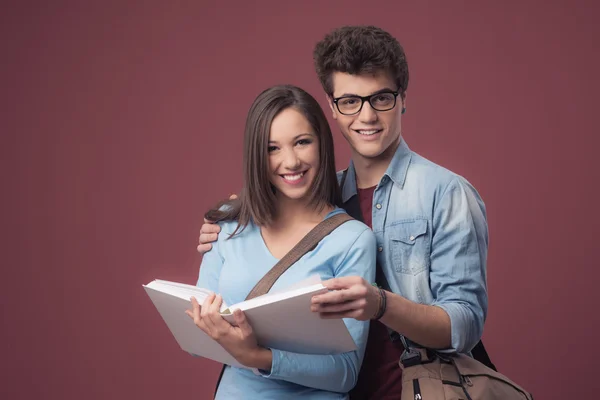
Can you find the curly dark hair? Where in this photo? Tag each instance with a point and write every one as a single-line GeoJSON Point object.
{"type": "Point", "coordinates": [360, 50]}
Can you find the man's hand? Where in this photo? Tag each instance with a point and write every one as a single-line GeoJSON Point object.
{"type": "Point", "coordinates": [209, 232]}
{"type": "Point", "coordinates": [350, 297]}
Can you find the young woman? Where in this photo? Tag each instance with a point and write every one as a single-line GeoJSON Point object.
{"type": "Point", "coordinates": [289, 187]}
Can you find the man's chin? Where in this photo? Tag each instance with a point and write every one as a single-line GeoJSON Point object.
{"type": "Point", "coordinates": [375, 150]}
{"type": "Point", "coordinates": [371, 151]}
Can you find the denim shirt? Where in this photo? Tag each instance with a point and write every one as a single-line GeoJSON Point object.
{"type": "Point", "coordinates": [432, 240]}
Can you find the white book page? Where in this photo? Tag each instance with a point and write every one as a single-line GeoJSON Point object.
{"type": "Point", "coordinates": [182, 291]}
{"type": "Point", "coordinates": [310, 281]}
{"type": "Point", "coordinates": [309, 285]}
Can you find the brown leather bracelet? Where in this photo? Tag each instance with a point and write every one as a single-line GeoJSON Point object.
{"type": "Point", "coordinates": [381, 307]}
{"type": "Point", "coordinates": [384, 300]}
{"type": "Point", "coordinates": [378, 305]}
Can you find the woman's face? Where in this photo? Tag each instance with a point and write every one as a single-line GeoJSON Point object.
{"type": "Point", "coordinates": [293, 154]}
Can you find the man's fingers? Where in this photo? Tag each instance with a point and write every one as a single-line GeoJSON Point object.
{"type": "Point", "coordinates": [334, 284]}
{"type": "Point", "coordinates": [206, 238]}
{"type": "Point", "coordinates": [358, 304]}
{"type": "Point", "coordinates": [204, 248]}
{"type": "Point", "coordinates": [333, 297]}
{"type": "Point", "coordinates": [209, 228]}
{"type": "Point", "coordinates": [233, 197]}
{"type": "Point", "coordinates": [348, 314]}
{"type": "Point", "coordinates": [344, 282]}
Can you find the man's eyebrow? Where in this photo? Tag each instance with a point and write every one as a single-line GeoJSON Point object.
{"type": "Point", "coordinates": [295, 137]}
{"type": "Point", "coordinates": [356, 95]}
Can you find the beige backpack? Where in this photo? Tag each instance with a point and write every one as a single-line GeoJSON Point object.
{"type": "Point", "coordinates": [430, 375]}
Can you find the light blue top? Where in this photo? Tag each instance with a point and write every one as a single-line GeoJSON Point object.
{"type": "Point", "coordinates": [235, 265]}
{"type": "Point", "coordinates": [432, 240]}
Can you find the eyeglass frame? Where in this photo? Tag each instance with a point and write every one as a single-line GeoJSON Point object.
{"type": "Point", "coordinates": [366, 98]}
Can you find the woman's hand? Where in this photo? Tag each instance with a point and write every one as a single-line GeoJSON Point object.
{"type": "Point", "coordinates": [239, 341]}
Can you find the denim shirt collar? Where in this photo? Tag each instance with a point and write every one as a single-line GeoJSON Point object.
{"type": "Point", "coordinates": [396, 171]}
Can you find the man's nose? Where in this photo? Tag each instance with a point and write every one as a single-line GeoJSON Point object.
{"type": "Point", "coordinates": [367, 114]}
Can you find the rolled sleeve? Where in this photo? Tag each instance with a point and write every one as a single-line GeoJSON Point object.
{"type": "Point", "coordinates": [458, 262]}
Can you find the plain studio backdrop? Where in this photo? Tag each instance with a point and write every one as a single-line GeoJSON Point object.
{"type": "Point", "coordinates": [121, 124]}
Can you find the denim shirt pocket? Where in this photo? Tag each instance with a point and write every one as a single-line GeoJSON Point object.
{"type": "Point", "coordinates": [410, 246]}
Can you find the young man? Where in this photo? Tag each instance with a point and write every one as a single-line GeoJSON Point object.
{"type": "Point", "coordinates": [430, 223]}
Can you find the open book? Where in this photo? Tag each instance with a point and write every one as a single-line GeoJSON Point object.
{"type": "Point", "coordinates": [281, 320]}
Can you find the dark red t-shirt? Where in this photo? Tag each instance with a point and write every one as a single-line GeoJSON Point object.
{"type": "Point", "coordinates": [380, 376]}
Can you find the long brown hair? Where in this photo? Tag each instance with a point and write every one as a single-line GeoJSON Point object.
{"type": "Point", "coordinates": [257, 201]}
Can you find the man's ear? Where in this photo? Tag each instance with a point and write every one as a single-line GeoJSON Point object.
{"type": "Point", "coordinates": [404, 103]}
{"type": "Point", "coordinates": [331, 106]}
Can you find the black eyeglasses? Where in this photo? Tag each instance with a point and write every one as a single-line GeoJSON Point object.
{"type": "Point", "coordinates": [382, 101]}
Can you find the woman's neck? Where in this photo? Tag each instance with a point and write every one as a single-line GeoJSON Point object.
{"type": "Point", "coordinates": [294, 213]}
{"type": "Point", "coordinates": [293, 221]}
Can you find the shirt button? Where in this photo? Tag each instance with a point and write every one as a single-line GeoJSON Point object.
{"type": "Point", "coordinates": [378, 206]}
{"type": "Point", "coordinates": [412, 238]}
{"type": "Point", "coordinates": [380, 249]}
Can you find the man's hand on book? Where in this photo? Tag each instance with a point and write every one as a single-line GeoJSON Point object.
{"type": "Point", "coordinates": [349, 297]}
{"type": "Point", "coordinates": [239, 341]}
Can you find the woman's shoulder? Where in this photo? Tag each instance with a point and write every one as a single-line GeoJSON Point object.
{"type": "Point", "coordinates": [229, 227]}
{"type": "Point", "coordinates": [351, 247]}
{"type": "Point", "coordinates": [353, 232]}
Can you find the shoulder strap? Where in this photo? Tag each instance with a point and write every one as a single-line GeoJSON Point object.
{"type": "Point", "coordinates": [480, 354]}
{"type": "Point", "coordinates": [305, 245]}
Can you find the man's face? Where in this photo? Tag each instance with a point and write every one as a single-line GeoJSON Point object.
{"type": "Point", "coordinates": [369, 132]}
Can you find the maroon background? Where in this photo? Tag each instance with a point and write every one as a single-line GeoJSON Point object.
{"type": "Point", "coordinates": [121, 124]}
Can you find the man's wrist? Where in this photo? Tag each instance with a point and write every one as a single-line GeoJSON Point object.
{"type": "Point", "coordinates": [381, 304]}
